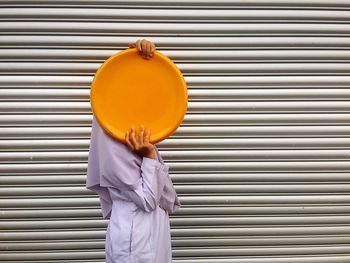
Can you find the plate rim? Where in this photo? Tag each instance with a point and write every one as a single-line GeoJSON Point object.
{"type": "Point", "coordinates": [163, 135]}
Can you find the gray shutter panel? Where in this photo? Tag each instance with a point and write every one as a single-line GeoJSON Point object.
{"type": "Point", "coordinates": [261, 161]}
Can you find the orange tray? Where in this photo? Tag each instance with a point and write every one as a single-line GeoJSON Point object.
{"type": "Point", "coordinates": [128, 90]}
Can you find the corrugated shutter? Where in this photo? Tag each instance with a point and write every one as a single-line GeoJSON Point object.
{"type": "Point", "coordinates": [261, 161]}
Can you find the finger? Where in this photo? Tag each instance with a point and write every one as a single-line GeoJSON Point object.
{"type": "Point", "coordinates": [149, 47]}
{"type": "Point", "coordinates": [138, 45]}
{"type": "Point", "coordinates": [128, 141]}
{"type": "Point", "coordinates": [147, 137]}
{"type": "Point", "coordinates": [141, 134]}
{"type": "Point", "coordinates": [133, 139]}
{"type": "Point", "coordinates": [144, 47]}
{"type": "Point", "coordinates": [131, 146]}
{"type": "Point", "coordinates": [153, 48]}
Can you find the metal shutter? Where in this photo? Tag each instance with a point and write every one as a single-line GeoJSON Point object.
{"type": "Point", "coordinates": [261, 161]}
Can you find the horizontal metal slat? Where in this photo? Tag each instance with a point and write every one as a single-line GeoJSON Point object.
{"type": "Point", "coordinates": [307, 189]}
{"type": "Point", "coordinates": [187, 69]}
{"type": "Point", "coordinates": [212, 107]}
{"type": "Point", "coordinates": [174, 28]}
{"type": "Point", "coordinates": [291, 189]}
{"type": "Point", "coordinates": [184, 42]}
{"type": "Point", "coordinates": [176, 243]}
{"type": "Point", "coordinates": [258, 241]}
{"type": "Point", "coordinates": [234, 176]}
{"type": "Point", "coordinates": [71, 133]}
{"type": "Point", "coordinates": [203, 178]}
{"type": "Point", "coordinates": [261, 107]}
{"type": "Point", "coordinates": [192, 252]}
{"type": "Point", "coordinates": [256, 69]}
{"type": "Point", "coordinates": [71, 235]}
{"type": "Point", "coordinates": [44, 94]}
{"type": "Point", "coordinates": [303, 82]}
{"type": "Point", "coordinates": [195, 211]}
{"type": "Point", "coordinates": [266, 166]}
{"type": "Point", "coordinates": [51, 213]}
{"type": "Point", "coordinates": [202, 143]}
{"type": "Point", "coordinates": [258, 251]}
{"type": "Point", "coordinates": [205, 200]}
{"type": "Point", "coordinates": [263, 119]}
{"type": "Point", "coordinates": [191, 167]}
{"type": "Point", "coordinates": [32, 157]}
{"type": "Point", "coordinates": [52, 246]}
{"type": "Point", "coordinates": [56, 203]}
{"type": "Point", "coordinates": [251, 143]}
{"type": "Point", "coordinates": [205, 155]}
{"type": "Point", "coordinates": [263, 231]}
{"type": "Point", "coordinates": [194, 3]}
{"type": "Point", "coordinates": [47, 144]}
{"type": "Point", "coordinates": [80, 134]}
{"type": "Point", "coordinates": [152, 14]}
{"type": "Point", "coordinates": [54, 225]}
{"type": "Point", "coordinates": [276, 259]}
{"type": "Point", "coordinates": [236, 221]}
{"type": "Point", "coordinates": [181, 243]}
{"type": "Point", "coordinates": [289, 154]}
{"type": "Point", "coordinates": [185, 144]}
{"type": "Point", "coordinates": [269, 81]}
{"type": "Point", "coordinates": [249, 221]}
{"type": "Point", "coordinates": [38, 256]}
{"type": "Point", "coordinates": [194, 95]}
{"type": "Point", "coordinates": [178, 56]}
{"type": "Point", "coordinates": [265, 199]}
{"type": "Point", "coordinates": [46, 120]}
{"type": "Point", "coordinates": [292, 231]}
{"type": "Point", "coordinates": [45, 191]}
{"type": "Point", "coordinates": [264, 94]}
{"type": "Point", "coordinates": [251, 210]}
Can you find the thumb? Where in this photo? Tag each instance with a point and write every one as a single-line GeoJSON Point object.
{"type": "Point", "coordinates": [131, 45]}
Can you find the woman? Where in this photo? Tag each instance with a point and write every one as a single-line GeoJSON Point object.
{"type": "Point", "coordinates": [135, 191]}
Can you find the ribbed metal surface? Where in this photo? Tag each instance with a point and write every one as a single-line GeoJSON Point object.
{"type": "Point", "coordinates": [261, 161]}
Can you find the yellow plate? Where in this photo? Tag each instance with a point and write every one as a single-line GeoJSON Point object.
{"type": "Point", "coordinates": [128, 90]}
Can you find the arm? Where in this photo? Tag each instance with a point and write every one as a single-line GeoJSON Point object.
{"type": "Point", "coordinates": [152, 179]}
{"type": "Point", "coordinates": [150, 186]}
{"type": "Point", "coordinates": [169, 200]}
{"type": "Point", "coordinates": [155, 187]}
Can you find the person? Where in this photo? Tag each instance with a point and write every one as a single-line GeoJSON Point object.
{"type": "Point", "coordinates": [135, 191]}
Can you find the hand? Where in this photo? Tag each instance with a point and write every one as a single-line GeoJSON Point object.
{"type": "Point", "coordinates": [145, 48]}
{"type": "Point", "coordinates": [140, 143]}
